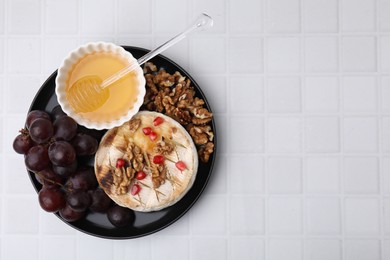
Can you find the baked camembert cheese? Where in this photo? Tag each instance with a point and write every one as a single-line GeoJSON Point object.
{"type": "Point", "coordinates": [148, 163]}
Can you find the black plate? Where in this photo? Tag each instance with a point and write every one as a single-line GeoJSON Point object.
{"type": "Point", "coordinates": [97, 224]}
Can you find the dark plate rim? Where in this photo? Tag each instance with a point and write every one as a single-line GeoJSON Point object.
{"type": "Point", "coordinates": [198, 195]}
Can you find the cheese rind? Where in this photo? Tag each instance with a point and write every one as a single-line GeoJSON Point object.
{"type": "Point", "coordinates": [176, 184]}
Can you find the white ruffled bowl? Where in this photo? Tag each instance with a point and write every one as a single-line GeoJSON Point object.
{"type": "Point", "coordinates": [64, 73]}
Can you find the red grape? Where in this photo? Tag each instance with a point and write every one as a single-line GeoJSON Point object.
{"type": "Point", "coordinates": [119, 216]}
{"type": "Point", "coordinates": [37, 158]}
{"type": "Point", "coordinates": [84, 144]}
{"type": "Point", "coordinates": [83, 179]}
{"type": "Point", "coordinates": [22, 144]}
{"type": "Point", "coordinates": [65, 128]}
{"type": "Point", "coordinates": [35, 114]}
{"type": "Point", "coordinates": [61, 153]}
{"type": "Point", "coordinates": [51, 199]}
{"type": "Point", "coordinates": [41, 130]}
{"type": "Point", "coordinates": [47, 176]}
{"type": "Point", "coordinates": [68, 214]}
{"type": "Point", "coordinates": [57, 112]}
{"type": "Point", "coordinates": [65, 171]}
{"type": "Point", "coordinates": [79, 200]}
{"type": "Point", "coordinates": [100, 201]}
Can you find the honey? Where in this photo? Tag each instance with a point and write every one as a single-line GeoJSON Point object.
{"type": "Point", "coordinates": [122, 93]}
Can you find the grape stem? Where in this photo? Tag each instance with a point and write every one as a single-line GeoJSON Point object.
{"type": "Point", "coordinates": [54, 182]}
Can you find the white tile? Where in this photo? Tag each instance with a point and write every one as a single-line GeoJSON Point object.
{"type": "Point", "coordinates": [321, 94]}
{"type": "Point", "coordinates": [385, 93]}
{"type": "Point", "coordinates": [203, 223]}
{"type": "Point", "coordinates": [12, 249]}
{"type": "Point", "coordinates": [178, 54]}
{"type": "Point", "coordinates": [358, 54]}
{"type": "Point", "coordinates": [246, 134]}
{"type": "Point", "coordinates": [245, 55]}
{"type": "Point", "coordinates": [323, 216]}
{"type": "Point", "coordinates": [321, 54]}
{"type": "Point", "coordinates": [139, 248]}
{"type": "Point", "coordinates": [218, 180]}
{"type": "Point", "coordinates": [62, 248]}
{"type": "Point", "coordinates": [2, 16]}
{"type": "Point", "coordinates": [246, 94]}
{"type": "Point", "coordinates": [247, 216]}
{"type": "Point", "coordinates": [128, 19]}
{"type": "Point", "coordinates": [208, 55]}
{"type": "Point", "coordinates": [322, 175]}
{"type": "Point", "coordinates": [360, 134]}
{"type": "Point", "coordinates": [207, 248]}
{"type": "Point", "coordinates": [180, 228]}
{"type": "Point", "coordinates": [278, 209]}
{"type": "Point", "coordinates": [284, 134]}
{"type": "Point", "coordinates": [20, 91]}
{"type": "Point", "coordinates": [386, 134]}
{"type": "Point", "coordinates": [96, 17]}
{"type": "Point", "coordinates": [384, 18]}
{"type": "Point", "coordinates": [24, 16]}
{"type": "Point", "coordinates": [55, 51]}
{"type": "Point", "coordinates": [178, 9]}
{"type": "Point", "coordinates": [363, 249]}
{"type": "Point", "coordinates": [282, 249]}
{"type": "Point", "coordinates": [247, 248]}
{"type": "Point", "coordinates": [386, 174]}
{"type": "Point", "coordinates": [386, 215]}
{"type": "Point", "coordinates": [170, 248]}
{"type": "Point", "coordinates": [14, 124]}
{"type": "Point", "coordinates": [284, 94]}
{"type": "Point", "coordinates": [221, 122]}
{"type": "Point", "coordinates": [15, 220]}
{"type": "Point", "coordinates": [361, 216]}
{"type": "Point", "coordinates": [361, 175]}
{"type": "Point", "coordinates": [322, 134]}
{"type": "Point", "coordinates": [359, 94]}
{"type": "Point", "coordinates": [283, 16]}
{"type": "Point", "coordinates": [320, 16]}
{"type": "Point", "coordinates": [141, 41]}
{"type": "Point", "coordinates": [216, 9]}
{"type": "Point", "coordinates": [283, 54]}
{"type": "Point", "coordinates": [253, 167]}
{"type": "Point", "coordinates": [18, 182]}
{"type": "Point", "coordinates": [386, 249]}
{"type": "Point", "coordinates": [282, 169]}
{"type": "Point", "coordinates": [215, 89]}
{"type": "Point", "coordinates": [26, 49]}
{"type": "Point", "coordinates": [50, 224]}
{"type": "Point", "coordinates": [251, 22]}
{"type": "Point", "coordinates": [62, 17]}
{"type": "Point", "coordinates": [323, 249]}
{"type": "Point", "coordinates": [89, 247]}
{"type": "Point", "coordinates": [2, 56]}
{"type": "Point", "coordinates": [385, 53]}
{"type": "Point", "coordinates": [87, 38]}
{"type": "Point", "coordinates": [358, 15]}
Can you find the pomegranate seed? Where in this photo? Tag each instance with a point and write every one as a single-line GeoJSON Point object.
{"type": "Point", "coordinates": [181, 165]}
{"type": "Point", "coordinates": [158, 121]}
{"type": "Point", "coordinates": [135, 189]}
{"type": "Point", "coordinates": [140, 175]}
{"type": "Point", "coordinates": [120, 163]}
{"type": "Point", "coordinates": [158, 159]}
{"type": "Point", "coordinates": [153, 136]}
{"type": "Point", "coordinates": [147, 130]}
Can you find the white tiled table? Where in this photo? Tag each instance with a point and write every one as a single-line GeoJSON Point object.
{"type": "Point", "coordinates": [301, 95]}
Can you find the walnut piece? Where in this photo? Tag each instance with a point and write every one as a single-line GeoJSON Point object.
{"type": "Point", "coordinates": [173, 95]}
{"type": "Point", "coordinates": [163, 148]}
{"type": "Point", "coordinates": [134, 124]}
{"type": "Point", "coordinates": [205, 152]}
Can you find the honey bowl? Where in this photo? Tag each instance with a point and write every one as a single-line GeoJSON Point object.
{"type": "Point", "coordinates": [102, 60]}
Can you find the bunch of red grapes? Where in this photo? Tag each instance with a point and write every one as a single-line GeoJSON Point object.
{"type": "Point", "coordinates": [57, 150]}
